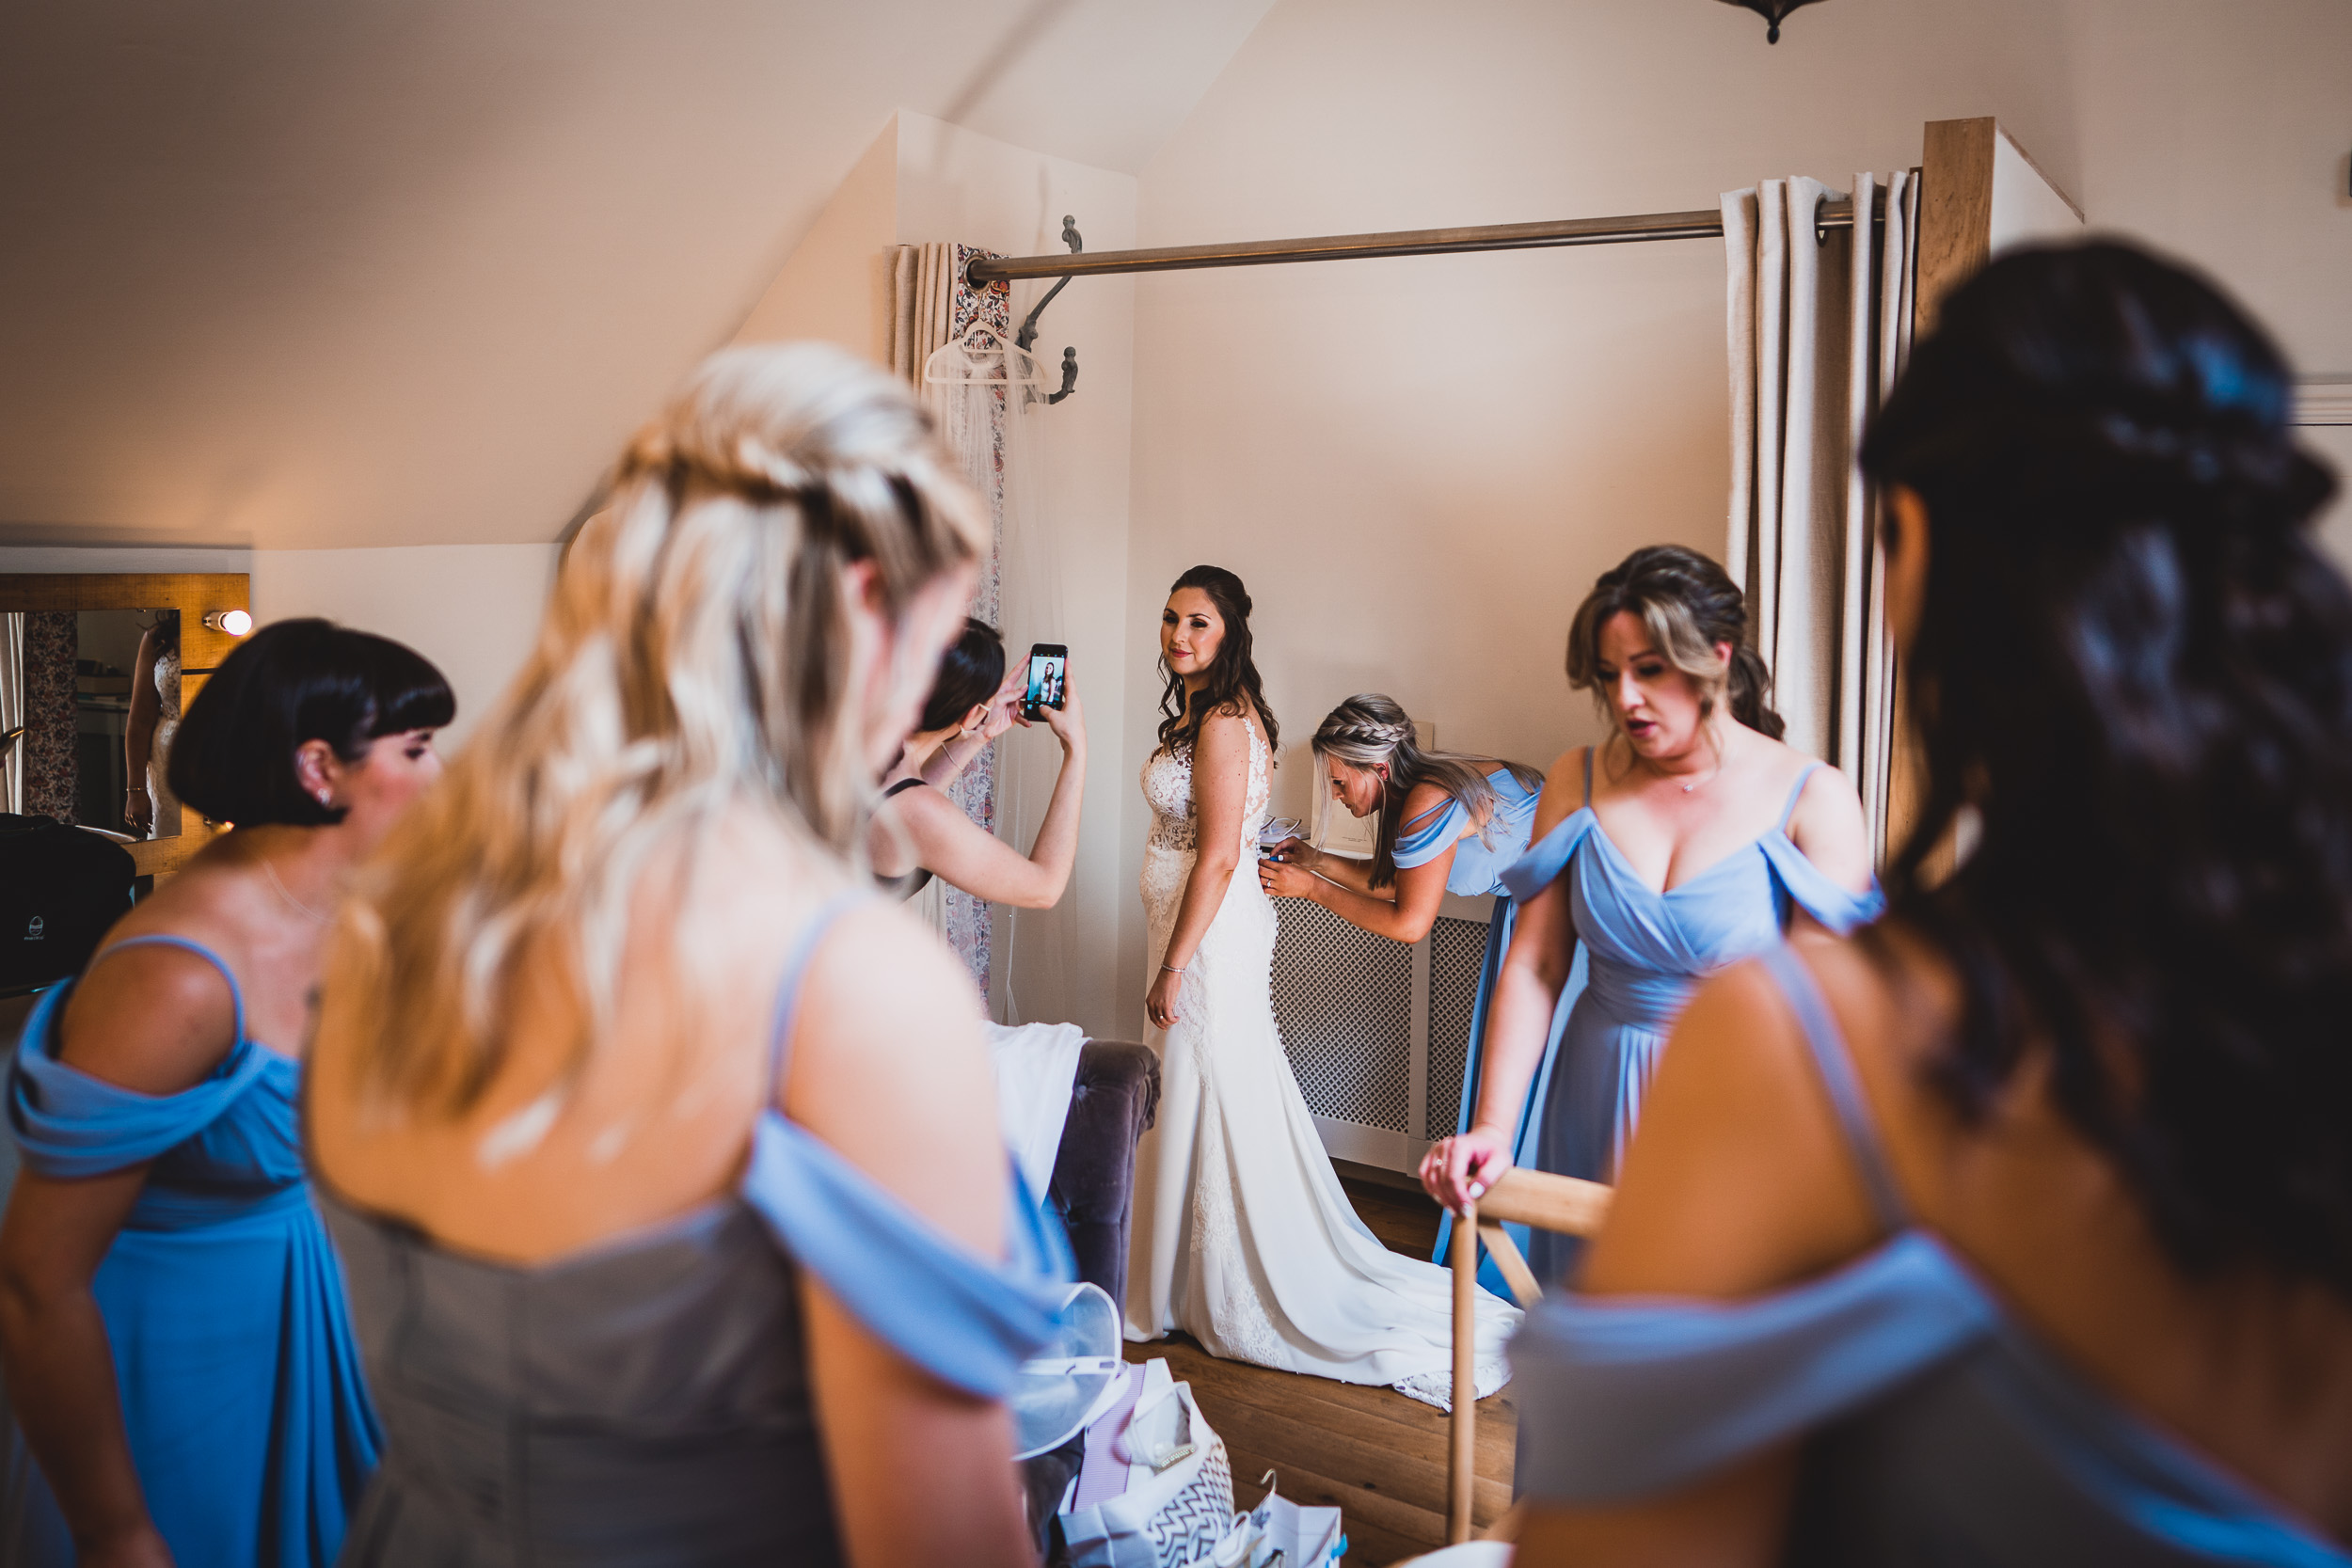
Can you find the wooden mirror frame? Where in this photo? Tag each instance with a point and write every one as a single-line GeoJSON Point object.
{"type": "Point", "coordinates": [194, 595]}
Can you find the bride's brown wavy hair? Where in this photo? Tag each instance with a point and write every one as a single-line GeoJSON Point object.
{"type": "Point", "coordinates": [1232, 678]}
{"type": "Point", "coordinates": [695, 657]}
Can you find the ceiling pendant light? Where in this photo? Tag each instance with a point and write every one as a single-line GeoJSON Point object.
{"type": "Point", "coordinates": [1771, 11]}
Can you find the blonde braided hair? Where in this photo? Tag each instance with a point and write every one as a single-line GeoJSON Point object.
{"type": "Point", "coordinates": [1369, 730]}
{"type": "Point", "coordinates": [695, 657]}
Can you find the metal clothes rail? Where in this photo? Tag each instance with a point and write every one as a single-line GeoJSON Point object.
{"type": "Point", "coordinates": [1702, 224]}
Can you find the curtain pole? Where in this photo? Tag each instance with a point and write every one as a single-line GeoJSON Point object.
{"type": "Point", "coordinates": [1706, 225]}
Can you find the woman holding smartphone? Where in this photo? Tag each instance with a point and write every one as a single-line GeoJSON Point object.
{"type": "Point", "coordinates": [1448, 823]}
{"type": "Point", "coordinates": [919, 834]}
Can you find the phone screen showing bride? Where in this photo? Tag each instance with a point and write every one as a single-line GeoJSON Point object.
{"type": "Point", "coordinates": [1049, 671]}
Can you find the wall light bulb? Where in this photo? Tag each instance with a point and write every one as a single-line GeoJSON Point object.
{"type": "Point", "coordinates": [236, 623]}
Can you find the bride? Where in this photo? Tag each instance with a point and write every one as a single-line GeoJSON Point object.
{"type": "Point", "coordinates": [1242, 1237]}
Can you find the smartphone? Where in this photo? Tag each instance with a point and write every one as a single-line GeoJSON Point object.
{"type": "Point", "coordinates": [1049, 673]}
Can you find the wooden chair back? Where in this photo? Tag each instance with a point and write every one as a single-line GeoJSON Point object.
{"type": "Point", "coordinates": [1529, 1197]}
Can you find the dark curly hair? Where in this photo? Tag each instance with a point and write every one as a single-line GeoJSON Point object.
{"type": "Point", "coordinates": [2132, 663]}
{"type": "Point", "coordinates": [1688, 605]}
{"type": "Point", "coordinates": [1233, 677]}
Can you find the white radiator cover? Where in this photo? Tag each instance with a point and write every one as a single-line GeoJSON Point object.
{"type": "Point", "coordinates": [1375, 1031]}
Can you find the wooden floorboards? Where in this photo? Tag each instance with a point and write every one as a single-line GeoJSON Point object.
{"type": "Point", "coordinates": [1374, 1454]}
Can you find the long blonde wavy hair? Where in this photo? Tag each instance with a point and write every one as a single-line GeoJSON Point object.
{"type": "Point", "coordinates": [694, 658]}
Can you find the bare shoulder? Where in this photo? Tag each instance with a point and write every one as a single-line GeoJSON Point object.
{"type": "Point", "coordinates": [1564, 791]}
{"type": "Point", "coordinates": [1225, 727]}
{"type": "Point", "coordinates": [888, 1018]}
{"type": "Point", "coordinates": [1828, 823]}
{"type": "Point", "coordinates": [1224, 742]}
{"type": "Point", "coordinates": [154, 1018]}
{"type": "Point", "coordinates": [1424, 800]}
{"type": "Point", "coordinates": [923, 806]}
{"type": "Point", "coordinates": [1740, 1179]}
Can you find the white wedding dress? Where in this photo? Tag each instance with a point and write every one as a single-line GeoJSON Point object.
{"type": "Point", "coordinates": [1242, 1236]}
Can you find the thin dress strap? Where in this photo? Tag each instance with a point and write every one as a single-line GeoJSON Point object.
{"type": "Point", "coordinates": [1836, 1064]}
{"type": "Point", "coordinates": [901, 787]}
{"type": "Point", "coordinates": [1414, 824]}
{"type": "Point", "coordinates": [236, 996]}
{"type": "Point", "coordinates": [1588, 776]}
{"type": "Point", "coordinates": [795, 970]}
{"type": "Point", "coordinates": [1795, 795]}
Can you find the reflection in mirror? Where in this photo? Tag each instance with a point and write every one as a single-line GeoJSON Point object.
{"type": "Point", "coordinates": [93, 699]}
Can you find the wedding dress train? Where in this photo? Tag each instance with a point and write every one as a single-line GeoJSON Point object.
{"type": "Point", "coordinates": [1242, 1235]}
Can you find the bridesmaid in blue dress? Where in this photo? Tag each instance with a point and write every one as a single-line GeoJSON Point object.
{"type": "Point", "coordinates": [1692, 838]}
{"type": "Point", "coordinates": [186, 1384]}
{"type": "Point", "coordinates": [2017, 1230]}
{"type": "Point", "coordinates": [1448, 823]}
{"type": "Point", "coordinates": [666, 1165]}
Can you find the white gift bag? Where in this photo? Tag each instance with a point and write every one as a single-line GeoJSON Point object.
{"type": "Point", "coordinates": [1178, 1502]}
{"type": "Point", "coordinates": [1278, 1533]}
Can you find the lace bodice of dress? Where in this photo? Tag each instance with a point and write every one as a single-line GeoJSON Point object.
{"type": "Point", "coordinates": [1167, 789]}
{"type": "Point", "coordinates": [168, 685]}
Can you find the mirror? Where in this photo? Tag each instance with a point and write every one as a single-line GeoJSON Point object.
{"type": "Point", "coordinates": [126, 700]}
{"type": "Point", "coordinates": [95, 672]}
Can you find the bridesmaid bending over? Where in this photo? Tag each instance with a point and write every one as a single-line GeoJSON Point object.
{"type": "Point", "coordinates": [178, 1347]}
{"type": "Point", "coordinates": [663, 1156]}
{"type": "Point", "coordinates": [1448, 823]}
{"type": "Point", "coordinates": [2018, 1230]}
{"type": "Point", "coordinates": [1690, 839]}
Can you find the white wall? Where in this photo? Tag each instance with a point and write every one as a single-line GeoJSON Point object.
{"type": "Point", "coordinates": [834, 287]}
{"type": "Point", "coordinates": [1419, 465]}
{"type": "Point", "coordinates": [473, 609]}
{"type": "Point", "coordinates": [2027, 207]}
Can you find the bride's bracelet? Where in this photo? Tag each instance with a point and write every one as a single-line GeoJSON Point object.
{"type": "Point", "coordinates": [1171, 969]}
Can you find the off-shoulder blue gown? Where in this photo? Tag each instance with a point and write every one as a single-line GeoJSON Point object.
{"type": "Point", "coordinates": [242, 1395]}
{"type": "Point", "coordinates": [1645, 954]}
{"type": "Point", "coordinates": [1937, 1429]}
{"type": "Point", "coordinates": [1477, 870]}
{"type": "Point", "coordinates": [645, 1402]}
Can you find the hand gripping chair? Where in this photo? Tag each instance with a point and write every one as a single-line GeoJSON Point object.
{"type": "Point", "coordinates": [1533, 1197]}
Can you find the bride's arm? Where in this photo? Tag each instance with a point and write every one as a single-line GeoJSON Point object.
{"type": "Point", "coordinates": [1221, 792]}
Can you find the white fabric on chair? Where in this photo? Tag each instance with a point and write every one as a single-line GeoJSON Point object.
{"type": "Point", "coordinates": [1818, 323]}
{"type": "Point", "coordinates": [1036, 1066]}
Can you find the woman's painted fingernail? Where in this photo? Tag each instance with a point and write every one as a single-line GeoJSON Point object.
{"type": "Point", "coordinates": [1478, 1188]}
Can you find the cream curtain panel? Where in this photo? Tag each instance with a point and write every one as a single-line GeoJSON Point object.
{"type": "Point", "coordinates": [1819, 324]}
{"type": "Point", "coordinates": [932, 306]}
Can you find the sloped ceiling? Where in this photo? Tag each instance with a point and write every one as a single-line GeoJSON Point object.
{"type": "Point", "coordinates": [385, 272]}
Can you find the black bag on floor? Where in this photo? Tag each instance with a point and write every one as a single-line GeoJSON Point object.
{"type": "Point", "coordinates": [60, 889]}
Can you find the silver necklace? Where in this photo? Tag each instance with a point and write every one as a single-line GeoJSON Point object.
{"type": "Point", "coordinates": [271, 872]}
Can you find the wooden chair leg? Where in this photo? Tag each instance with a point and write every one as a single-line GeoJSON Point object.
{"type": "Point", "coordinates": [1462, 1470]}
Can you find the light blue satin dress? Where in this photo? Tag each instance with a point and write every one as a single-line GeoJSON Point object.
{"type": "Point", "coordinates": [647, 1401]}
{"type": "Point", "coordinates": [242, 1395]}
{"type": "Point", "coordinates": [1645, 954]}
{"type": "Point", "coordinates": [1937, 1429]}
{"type": "Point", "coordinates": [1477, 871]}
